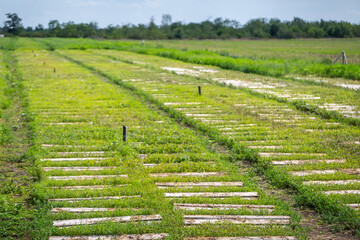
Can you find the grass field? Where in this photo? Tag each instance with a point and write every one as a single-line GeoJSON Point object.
{"type": "Point", "coordinates": [191, 164]}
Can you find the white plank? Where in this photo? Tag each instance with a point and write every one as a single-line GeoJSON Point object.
{"type": "Point", "coordinates": [300, 162]}
{"type": "Point", "coordinates": [342, 192]}
{"type": "Point", "coordinates": [312, 172]}
{"type": "Point", "coordinates": [66, 169]}
{"type": "Point", "coordinates": [265, 147]}
{"type": "Point", "coordinates": [194, 206]}
{"type": "Point", "coordinates": [271, 154]}
{"type": "Point", "coordinates": [337, 182]}
{"type": "Point", "coordinates": [81, 153]}
{"type": "Point", "coordinates": [85, 210]}
{"type": "Point", "coordinates": [88, 187]}
{"type": "Point", "coordinates": [150, 165]}
{"type": "Point", "coordinates": [90, 221]}
{"type": "Point", "coordinates": [197, 184]}
{"type": "Point", "coordinates": [84, 177]}
{"type": "Point", "coordinates": [244, 238]}
{"type": "Point", "coordinates": [147, 236]}
{"type": "Point", "coordinates": [72, 159]}
{"type": "Point", "coordinates": [236, 219]}
{"type": "Point", "coordinates": [355, 206]}
{"type": "Point", "coordinates": [186, 174]}
{"type": "Point", "coordinates": [90, 198]}
{"type": "Point", "coordinates": [244, 195]}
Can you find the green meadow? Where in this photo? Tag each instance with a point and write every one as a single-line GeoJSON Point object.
{"type": "Point", "coordinates": [272, 116]}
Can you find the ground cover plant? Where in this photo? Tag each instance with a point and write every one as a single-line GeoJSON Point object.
{"type": "Point", "coordinates": [287, 141]}
{"type": "Point", "coordinates": [92, 183]}
{"type": "Point", "coordinates": [171, 174]}
{"type": "Point", "coordinates": [16, 214]}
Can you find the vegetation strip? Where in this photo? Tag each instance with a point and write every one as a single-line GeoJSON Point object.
{"type": "Point", "coordinates": [320, 202]}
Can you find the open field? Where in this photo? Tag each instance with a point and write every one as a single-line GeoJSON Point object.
{"type": "Point", "coordinates": [191, 164]}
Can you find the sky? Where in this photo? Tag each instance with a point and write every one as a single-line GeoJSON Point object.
{"type": "Point", "coordinates": [118, 12]}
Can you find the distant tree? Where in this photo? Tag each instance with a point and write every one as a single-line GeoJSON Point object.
{"type": "Point", "coordinates": [166, 20]}
{"type": "Point", "coordinates": [13, 24]}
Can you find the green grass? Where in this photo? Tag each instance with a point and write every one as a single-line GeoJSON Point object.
{"type": "Point", "coordinates": [175, 88]}
{"type": "Point", "coordinates": [74, 93]}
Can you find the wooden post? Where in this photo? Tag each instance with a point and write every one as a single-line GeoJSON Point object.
{"type": "Point", "coordinates": [124, 133]}
{"type": "Point", "coordinates": [343, 58]}
{"type": "Point", "coordinates": [199, 88]}
{"type": "Point", "coordinates": [54, 70]}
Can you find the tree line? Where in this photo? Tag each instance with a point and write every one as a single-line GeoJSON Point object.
{"type": "Point", "coordinates": [219, 28]}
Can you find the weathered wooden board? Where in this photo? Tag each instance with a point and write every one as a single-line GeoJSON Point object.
{"type": "Point", "coordinates": [148, 236]}
{"type": "Point", "coordinates": [265, 147]}
{"type": "Point", "coordinates": [243, 238]}
{"type": "Point", "coordinates": [350, 171]}
{"type": "Point", "coordinates": [81, 153]}
{"type": "Point", "coordinates": [244, 195]}
{"type": "Point", "coordinates": [300, 162]}
{"type": "Point", "coordinates": [186, 174]}
{"type": "Point", "coordinates": [336, 182]}
{"type": "Point", "coordinates": [236, 219]}
{"type": "Point", "coordinates": [88, 187]}
{"type": "Point", "coordinates": [72, 159]}
{"type": "Point", "coordinates": [355, 206]}
{"type": "Point", "coordinates": [273, 154]}
{"type": "Point", "coordinates": [85, 210]}
{"type": "Point", "coordinates": [181, 103]}
{"type": "Point", "coordinates": [84, 177]}
{"type": "Point", "coordinates": [90, 221]}
{"type": "Point", "coordinates": [195, 206]}
{"type": "Point", "coordinates": [197, 184]}
{"type": "Point", "coordinates": [66, 169]}
{"type": "Point", "coordinates": [150, 165]}
{"type": "Point", "coordinates": [342, 192]}
{"type": "Point", "coordinates": [91, 198]}
{"type": "Point", "coordinates": [312, 172]}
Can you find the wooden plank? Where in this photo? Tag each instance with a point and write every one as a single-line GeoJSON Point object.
{"type": "Point", "coordinates": [244, 238]}
{"type": "Point", "coordinates": [82, 238]}
{"type": "Point", "coordinates": [312, 172]}
{"type": "Point", "coordinates": [85, 210]}
{"type": "Point", "coordinates": [90, 221]}
{"type": "Point", "coordinates": [355, 206]}
{"type": "Point", "coordinates": [147, 236]}
{"type": "Point", "coordinates": [337, 182]}
{"type": "Point", "coordinates": [81, 153]}
{"type": "Point", "coordinates": [350, 171]}
{"type": "Point", "coordinates": [272, 154]}
{"type": "Point", "coordinates": [186, 174]}
{"type": "Point", "coordinates": [88, 187]}
{"type": "Point", "coordinates": [91, 198]}
{"type": "Point", "coordinates": [244, 195]}
{"type": "Point", "coordinates": [300, 162]}
{"type": "Point", "coordinates": [84, 177]}
{"type": "Point", "coordinates": [192, 206]}
{"type": "Point", "coordinates": [150, 165]}
{"type": "Point", "coordinates": [66, 169]}
{"type": "Point", "coordinates": [197, 184]}
{"type": "Point", "coordinates": [342, 192]}
{"type": "Point", "coordinates": [72, 159]}
{"type": "Point", "coordinates": [236, 219]}
{"type": "Point", "coordinates": [265, 147]}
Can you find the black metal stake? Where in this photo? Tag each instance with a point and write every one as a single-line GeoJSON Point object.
{"type": "Point", "coordinates": [124, 134]}
{"type": "Point", "coordinates": [199, 87]}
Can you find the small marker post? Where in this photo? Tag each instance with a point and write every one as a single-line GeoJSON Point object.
{"type": "Point", "coordinates": [124, 133]}
{"type": "Point", "coordinates": [199, 88]}
{"type": "Point", "coordinates": [44, 63]}
{"type": "Point", "coordinates": [54, 70]}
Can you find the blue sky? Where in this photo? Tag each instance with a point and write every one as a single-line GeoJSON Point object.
{"type": "Point", "coordinates": [106, 12]}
